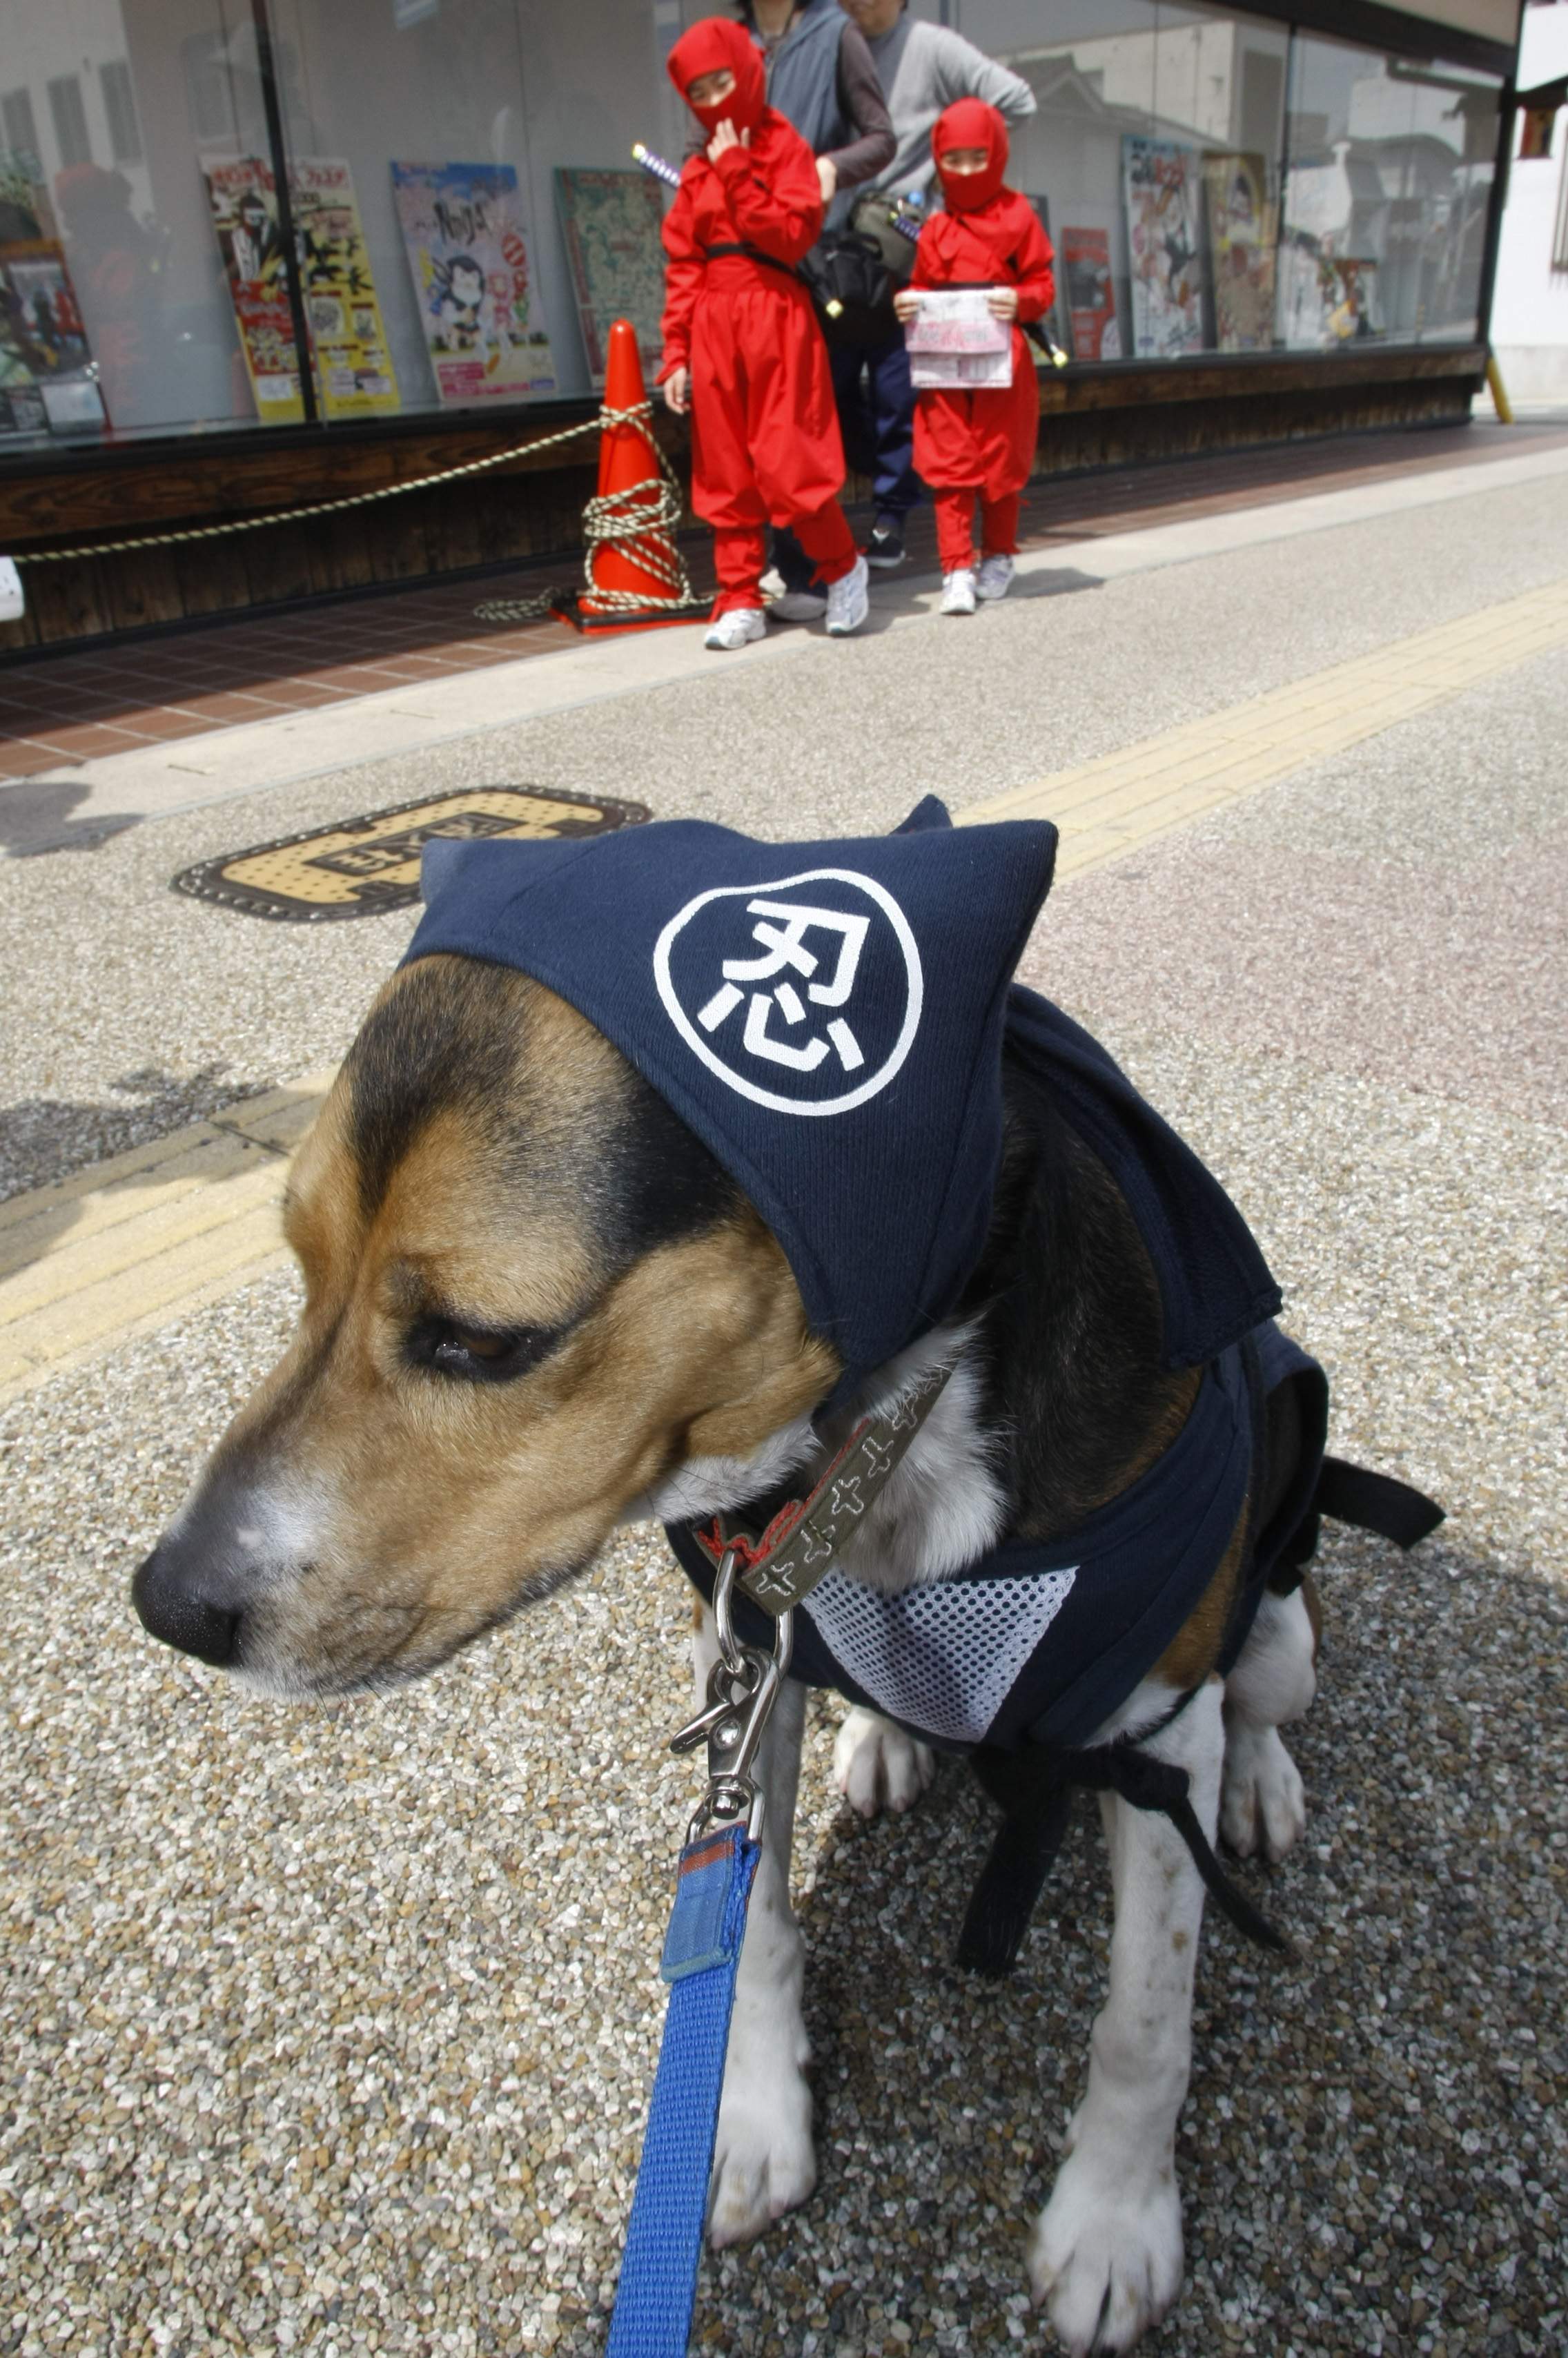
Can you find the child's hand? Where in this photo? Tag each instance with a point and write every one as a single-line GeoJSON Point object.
{"type": "Point", "coordinates": [906, 304]}
{"type": "Point", "coordinates": [677, 391]}
{"type": "Point", "coordinates": [1002, 302]}
{"type": "Point", "coordinates": [726, 137]}
{"type": "Point", "coordinates": [827, 178]}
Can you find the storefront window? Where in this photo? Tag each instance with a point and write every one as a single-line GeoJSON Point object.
{"type": "Point", "coordinates": [1390, 169]}
{"type": "Point", "coordinates": [468, 216]}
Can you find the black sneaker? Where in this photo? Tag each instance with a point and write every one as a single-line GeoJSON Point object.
{"type": "Point", "coordinates": [885, 547]}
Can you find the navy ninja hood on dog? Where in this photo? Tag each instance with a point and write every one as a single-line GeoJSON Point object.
{"type": "Point", "coordinates": [828, 1019]}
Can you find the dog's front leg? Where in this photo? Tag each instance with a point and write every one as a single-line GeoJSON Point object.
{"type": "Point", "coordinates": [1105, 2255]}
{"type": "Point", "coordinates": [763, 2163]}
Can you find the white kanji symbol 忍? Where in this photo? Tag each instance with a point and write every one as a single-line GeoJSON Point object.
{"type": "Point", "coordinates": [784, 946]}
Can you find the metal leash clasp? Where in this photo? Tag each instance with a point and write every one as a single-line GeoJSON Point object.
{"type": "Point", "coordinates": [742, 1688]}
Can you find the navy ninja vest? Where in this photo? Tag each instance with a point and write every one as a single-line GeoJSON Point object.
{"type": "Point", "coordinates": [828, 1019]}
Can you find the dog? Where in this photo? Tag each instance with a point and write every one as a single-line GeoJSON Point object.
{"type": "Point", "coordinates": [539, 1302]}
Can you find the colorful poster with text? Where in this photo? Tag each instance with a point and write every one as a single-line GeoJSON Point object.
{"type": "Point", "coordinates": [1162, 181]}
{"type": "Point", "coordinates": [462, 229]}
{"type": "Point", "coordinates": [1242, 237]}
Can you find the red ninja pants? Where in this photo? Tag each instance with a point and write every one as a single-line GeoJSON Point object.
{"type": "Point", "coordinates": [766, 444]}
{"type": "Point", "coordinates": [956, 526]}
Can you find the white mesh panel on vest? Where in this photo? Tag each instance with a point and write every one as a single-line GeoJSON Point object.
{"type": "Point", "coordinates": [945, 1656]}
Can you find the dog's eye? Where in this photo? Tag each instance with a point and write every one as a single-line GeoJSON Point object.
{"type": "Point", "coordinates": [478, 1355]}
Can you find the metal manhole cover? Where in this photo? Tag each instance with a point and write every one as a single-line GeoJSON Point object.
{"type": "Point", "coordinates": [360, 867]}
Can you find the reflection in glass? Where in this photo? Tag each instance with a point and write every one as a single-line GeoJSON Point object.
{"type": "Point", "coordinates": [1390, 164]}
{"type": "Point", "coordinates": [1156, 151]}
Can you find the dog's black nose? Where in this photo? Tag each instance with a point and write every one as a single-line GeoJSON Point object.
{"type": "Point", "coordinates": [170, 1610]}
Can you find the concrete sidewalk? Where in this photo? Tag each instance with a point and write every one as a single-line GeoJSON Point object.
{"type": "Point", "coordinates": [332, 2030]}
{"type": "Point", "coordinates": [55, 806]}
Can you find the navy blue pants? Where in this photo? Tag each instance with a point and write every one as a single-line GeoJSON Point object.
{"type": "Point", "coordinates": [876, 416]}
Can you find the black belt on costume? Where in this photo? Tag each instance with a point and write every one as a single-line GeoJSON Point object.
{"type": "Point", "coordinates": [753, 253]}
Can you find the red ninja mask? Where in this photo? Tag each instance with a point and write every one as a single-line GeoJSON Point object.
{"type": "Point", "coordinates": [711, 47]}
{"type": "Point", "coordinates": [970, 122]}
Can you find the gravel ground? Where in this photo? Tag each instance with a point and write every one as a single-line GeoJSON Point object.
{"type": "Point", "coordinates": [334, 2026]}
{"type": "Point", "coordinates": [330, 2029]}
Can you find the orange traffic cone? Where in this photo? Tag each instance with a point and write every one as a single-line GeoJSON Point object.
{"type": "Point", "coordinates": [637, 578]}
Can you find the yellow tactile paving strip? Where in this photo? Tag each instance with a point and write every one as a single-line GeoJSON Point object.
{"type": "Point", "coordinates": [1105, 806]}
{"type": "Point", "coordinates": [132, 1242]}
{"type": "Point", "coordinates": [125, 1247]}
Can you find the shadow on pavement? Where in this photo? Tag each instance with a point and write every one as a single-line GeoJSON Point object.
{"type": "Point", "coordinates": [1394, 2085]}
{"type": "Point", "coordinates": [46, 1139]}
{"type": "Point", "coordinates": [34, 817]}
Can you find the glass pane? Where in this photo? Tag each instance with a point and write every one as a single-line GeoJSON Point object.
{"type": "Point", "coordinates": [453, 266]}
{"type": "Point", "coordinates": [1447, 188]}
{"type": "Point", "coordinates": [116, 317]}
{"type": "Point", "coordinates": [1219, 105]}
{"type": "Point", "coordinates": [1090, 64]}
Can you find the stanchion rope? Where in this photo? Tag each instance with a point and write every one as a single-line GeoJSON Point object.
{"type": "Point", "coordinates": [647, 509]}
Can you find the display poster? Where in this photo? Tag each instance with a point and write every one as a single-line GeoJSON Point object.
{"type": "Point", "coordinates": [244, 198]}
{"type": "Point", "coordinates": [610, 222]}
{"type": "Point", "coordinates": [463, 228]}
{"type": "Point", "coordinates": [1325, 298]}
{"type": "Point", "coordinates": [46, 377]}
{"type": "Point", "coordinates": [1084, 264]}
{"type": "Point", "coordinates": [1161, 183]}
{"type": "Point", "coordinates": [1354, 310]}
{"type": "Point", "coordinates": [1242, 235]}
{"type": "Point", "coordinates": [354, 364]}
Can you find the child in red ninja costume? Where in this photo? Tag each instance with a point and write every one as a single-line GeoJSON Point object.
{"type": "Point", "coordinates": [742, 343]}
{"type": "Point", "coordinates": [979, 444]}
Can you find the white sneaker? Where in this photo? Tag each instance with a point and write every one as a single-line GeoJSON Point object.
{"type": "Point", "coordinates": [957, 593]}
{"type": "Point", "coordinates": [994, 578]}
{"type": "Point", "coordinates": [798, 606]}
{"type": "Point", "coordinates": [848, 601]}
{"type": "Point", "coordinates": [736, 628]}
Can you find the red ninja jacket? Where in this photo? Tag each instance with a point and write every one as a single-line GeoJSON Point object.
{"type": "Point", "coordinates": [765, 430]}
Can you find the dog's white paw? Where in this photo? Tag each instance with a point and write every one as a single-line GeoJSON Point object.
{"type": "Point", "coordinates": [877, 1765]}
{"type": "Point", "coordinates": [1104, 2258]}
{"type": "Point", "coordinates": [1262, 1804]}
{"type": "Point", "coordinates": [763, 2162]}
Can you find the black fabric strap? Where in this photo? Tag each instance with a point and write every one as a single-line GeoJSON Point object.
{"type": "Point", "coordinates": [1033, 1787]}
{"type": "Point", "coordinates": [753, 253]}
{"type": "Point", "coordinates": [1375, 1502]}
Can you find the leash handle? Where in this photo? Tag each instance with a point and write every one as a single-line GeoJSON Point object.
{"type": "Point", "coordinates": [657, 2291]}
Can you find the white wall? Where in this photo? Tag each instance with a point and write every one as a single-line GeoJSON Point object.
{"type": "Point", "coordinates": [1493, 20]}
{"type": "Point", "coordinates": [1530, 303]}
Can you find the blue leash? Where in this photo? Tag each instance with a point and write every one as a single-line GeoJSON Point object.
{"type": "Point", "coordinates": [657, 2290]}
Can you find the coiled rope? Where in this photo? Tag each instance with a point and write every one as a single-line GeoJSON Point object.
{"type": "Point", "coordinates": [641, 522]}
